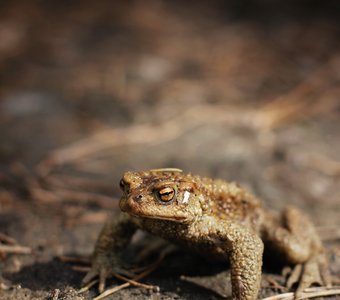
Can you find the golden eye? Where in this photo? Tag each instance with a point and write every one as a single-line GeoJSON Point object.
{"type": "Point", "coordinates": [166, 194]}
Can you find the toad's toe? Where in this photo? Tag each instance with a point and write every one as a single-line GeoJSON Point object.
{"type": "Point", "coordinates": [314, 271]}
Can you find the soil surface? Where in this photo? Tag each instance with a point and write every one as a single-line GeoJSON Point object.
{"type": "Point", "coordinates": [247, 91]}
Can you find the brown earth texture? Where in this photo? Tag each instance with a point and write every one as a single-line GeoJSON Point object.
{"type": "Point", "coordinates": [247, 91]}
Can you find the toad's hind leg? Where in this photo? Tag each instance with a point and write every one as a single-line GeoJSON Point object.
{"type": "Point", "coordinates": [296, 238]}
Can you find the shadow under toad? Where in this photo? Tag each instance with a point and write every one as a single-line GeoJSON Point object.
{"type": "Point", "coordinates": [181, 273]}
{"type": "Point", "coordinates": [56, 274]}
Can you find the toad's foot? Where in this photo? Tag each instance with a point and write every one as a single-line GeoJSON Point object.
{"type": "Point", "coordinates": [114, 236]}
{"type": "Point", "coordinates": [104, 267]}
{"type": "Point", "coordinates": [314, 271]}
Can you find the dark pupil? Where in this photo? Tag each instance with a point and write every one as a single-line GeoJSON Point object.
{"type": "Point", "coordinates": [166, 194]}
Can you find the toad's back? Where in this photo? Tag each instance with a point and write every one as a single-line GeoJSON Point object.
{"type": "Point", "coordinates": [228, 201]}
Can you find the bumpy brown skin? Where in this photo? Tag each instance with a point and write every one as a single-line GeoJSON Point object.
{"type": "Point", "coordinates": [212, 217]}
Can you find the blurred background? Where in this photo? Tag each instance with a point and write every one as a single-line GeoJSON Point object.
{"type": "Point", "coordinates": [247, 91]}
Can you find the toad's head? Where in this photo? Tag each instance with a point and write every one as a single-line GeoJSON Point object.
{"type": "Point", "coordinates": [164, 194]}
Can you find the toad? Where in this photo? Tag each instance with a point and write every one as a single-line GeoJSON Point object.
{"type": "Point", "coordinates": [215, 218]}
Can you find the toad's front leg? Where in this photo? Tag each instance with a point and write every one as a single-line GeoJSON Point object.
{"type": "Point", "coordinates": [115, 236]}
{"type": "Point", "coordinates": [246, 263]}
{"type": "Point", "coordinates": [244, 249]}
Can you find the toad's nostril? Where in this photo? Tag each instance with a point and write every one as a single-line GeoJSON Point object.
{"type": "Point", "coordinates": [138, 198]}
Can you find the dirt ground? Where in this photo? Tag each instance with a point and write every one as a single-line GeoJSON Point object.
{"type": "Point", "coordinates": [247, 91]}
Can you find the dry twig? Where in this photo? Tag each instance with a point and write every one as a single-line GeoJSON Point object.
{"type": "Point", "coordinates": [59, 195]}
{"type": "Point", "coordinates": [273, 284]}
{"type": "Point", "coordinates": [17, 249]}
{"type": "Point", "coordinates": [82, 269]}
{"type": "Point", "coordinates": [111, 291]}
{"type": "Point", "coordinates": [13, 246]}
{"type": "Point", "coordinates": [7, 239]}
{"type": "Point", "coordinates": [133, 282]}
{"type": "Point", "coordinates": [72, 259]}
{"type": "Point", "coordinates": [119, 287]}
{"type": "Point", "coordinates": [308, 293]}
{"type": "Point", "coordinates": [87, 286]}
{"type": "Point", "coordinates": [317, 94]}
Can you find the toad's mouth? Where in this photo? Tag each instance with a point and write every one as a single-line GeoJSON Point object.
{"type": "Point", "coordinates": [164, 218]}
{"type": "Point", "coordinates": [139, 211]}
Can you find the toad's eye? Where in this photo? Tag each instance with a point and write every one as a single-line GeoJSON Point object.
{"type": "Point", "coordinates": [166, 194]}
{"type": "Point", "coordinates": [121, 185]}
{"type": "Point", "coordinates": [124, 186]}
